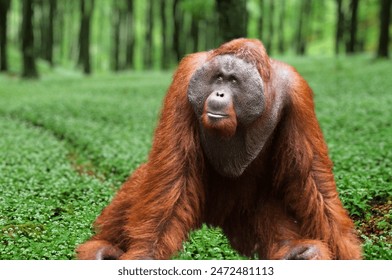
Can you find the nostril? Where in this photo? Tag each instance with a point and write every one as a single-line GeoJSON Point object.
{"type": "Point", "coordinates": [218, 102]}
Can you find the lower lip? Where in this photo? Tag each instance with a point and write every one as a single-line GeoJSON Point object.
{"type": "Point", "coordinates": [216, 116]}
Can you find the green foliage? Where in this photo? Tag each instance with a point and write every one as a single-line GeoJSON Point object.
{"type": "Point", "coordinates": [200, 9]}
{"type": "Point", "coordinates": [68, 142]}
{"type": "Point", "coordinates": [208, 244]}
{"type": "Point", "coordinates": [45, 206]}
{"type": "Point", "coordinates": [377, 247]}
{"type": "Point", "coordinates": [106, 112]}
{"type": "Point", "coordinates": [197, 16]}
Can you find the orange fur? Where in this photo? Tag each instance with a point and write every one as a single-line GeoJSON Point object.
{"type": "Point", "coordinates": [225, 128]}
{"type": "Point", "coordinates": [284, 202]}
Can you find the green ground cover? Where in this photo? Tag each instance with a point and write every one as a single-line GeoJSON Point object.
{"type": "Point", "coordinates": [67, 143]}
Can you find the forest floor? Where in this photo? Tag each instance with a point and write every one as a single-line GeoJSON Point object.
{"type": "Point", "coordinates": [67, 142]}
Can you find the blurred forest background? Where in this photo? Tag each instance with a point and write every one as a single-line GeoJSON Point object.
{"type": "Point", "coordinates": [115, 35]}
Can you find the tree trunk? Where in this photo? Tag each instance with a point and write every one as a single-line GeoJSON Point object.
{"type": "Point", "coordinates": [50, 36]}
{"type": "Point", "coordinates": [86, 8]}
{"type": "Point", "coordinates": [351, 44]}
{"type": "Point", "coordinates": [130, 35]}
{"type": "Point", "coordinates": [42, 15]}
{"type": "Point", "coordinates": [302, 26]}
{"type": "Point", "coordinates": [116, 36]}
{"type": "Point", "coordinates": [195, 34]}
{"type": "Point", "coordinates": [383, 41]}
{"type": "Point", "coordinates": [339, 26]}
{"type": "Point", "coordinates": [177, 30]}
{"type": "Point", "coordinates": [28, 52]}
{"type": "Point", "coordinates": [165, 49]}
{"type": "Point", "coordinates": [47, 13]}
{"type": "Point", "coordinates": [261, 21]}
{"type": "Point", "coordinates": [60, 32]}
{"type": "Point", "coordinates": [233, 19]}
{"type": "Point", "coordinates": [269, 39]}
{"type": "Point", "coordinates": [281, 45]}
{"type": "Point", "coordinates": [148, 50]}
{"type": "Point", "coordinates": [4, 7]}
{"type": "Point", "coordinates": [212, 33]}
